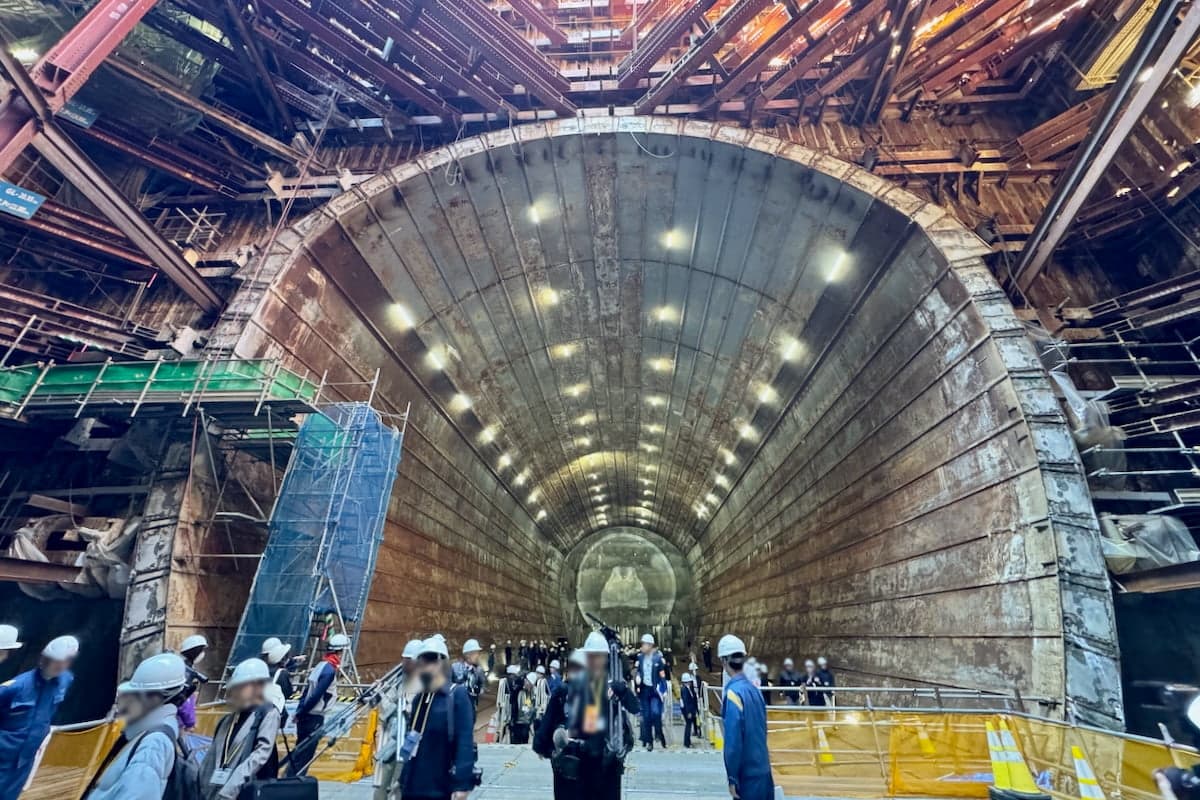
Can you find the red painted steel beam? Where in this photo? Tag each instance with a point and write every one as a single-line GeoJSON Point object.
{"type": "Point", "coordinates": [538, 19]}
{"type": "Point", "coordinates": [733, 20]}
{"type": "Point", "coordinates": [66, 67]}
{"type": "Point", "coordinates": [663, 36]}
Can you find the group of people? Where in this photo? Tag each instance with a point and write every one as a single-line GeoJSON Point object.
{"type": "Point", "coordinates": [816, 681]}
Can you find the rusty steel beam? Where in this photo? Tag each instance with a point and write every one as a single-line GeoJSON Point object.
{"type": "Point", "coordinates": [23, 571]}
{"type": "Point", "coordinates": [1163, 579]}
{"type": "Point", "coordinates": [173, 166]}
{"type": "Point", "coordinates": [534, 15]}
{"type": "Point", "coordinates": [904, 22]}
{"type": "Point", "coordinates": [650, 15]}
{"type": "Point", "coordinates": [733, 20]}
{"type": "Point", "coordinates": [262, 82]}
{"type": "Point", "coordinates": [844, 71]}
{"type": "Point", "coordinates": [663, 36]}
{"type": "Point", "coordinates": [750, 69]}
{"type": "Point", "coordinates": [842, 32]}
{"type": "Point", "coordinates": [1128, 100]}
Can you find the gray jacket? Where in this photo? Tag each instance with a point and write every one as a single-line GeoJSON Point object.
{"type": "Point", "coordinates": [143, 777]}
{"type": "Point", "coordinates": [250, 747]}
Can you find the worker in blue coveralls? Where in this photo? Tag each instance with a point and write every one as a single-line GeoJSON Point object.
{"type": "Point", "coordinates": [650, 678]}
{"type": "Point", "coordinates": [747, 763]}
{"type": "Point", "coordinates": [319, 695]}
{"type": "Point", "coordinates": [27, 705]}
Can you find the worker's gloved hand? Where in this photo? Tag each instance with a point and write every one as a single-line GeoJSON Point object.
{"type": "Point", "coordinates": [619, 688]}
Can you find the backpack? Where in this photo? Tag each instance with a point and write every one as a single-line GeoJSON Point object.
{"type": "Point", "coordinates": [183, 781]}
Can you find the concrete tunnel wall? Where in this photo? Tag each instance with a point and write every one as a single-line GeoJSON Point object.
{"type": "Point", "coordinates": [905, 498]}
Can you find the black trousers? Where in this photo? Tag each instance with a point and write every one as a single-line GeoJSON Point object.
{"type": "Point", "coordinates": [599, 779]}
{"type": "Point", "coordinates": [689, 722]}
{"type": "Point", "coordinates": [306, 743]}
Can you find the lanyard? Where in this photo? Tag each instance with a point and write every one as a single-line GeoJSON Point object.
{"type": "Point", "coordinates": [428, 708]}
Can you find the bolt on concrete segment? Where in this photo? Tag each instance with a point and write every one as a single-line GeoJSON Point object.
{"type": "Point", "coordinates": [514, 772]}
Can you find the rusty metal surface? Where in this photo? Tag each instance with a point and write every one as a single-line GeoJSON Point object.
{"type": "Point", "coordinates": [906, 499]}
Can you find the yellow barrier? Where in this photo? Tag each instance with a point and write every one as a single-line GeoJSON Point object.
{"type": "Point", "coordinates": [892, 753]}
{"type": "Point", "coordinates": [72, 757]}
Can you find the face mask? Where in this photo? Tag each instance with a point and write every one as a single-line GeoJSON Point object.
{"type": "Point", "coordinates": [426, 680]}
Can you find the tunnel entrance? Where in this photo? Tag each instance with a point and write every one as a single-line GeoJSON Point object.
{"type": "Point", "coordinates": [796, 374]}
{"type": "Point", "coordinates": [634, 581]}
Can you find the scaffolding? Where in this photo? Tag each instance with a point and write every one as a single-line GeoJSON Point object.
{"type": "Point", "coordinates": [324, 533]}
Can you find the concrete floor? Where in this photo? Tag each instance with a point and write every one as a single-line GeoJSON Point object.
{"type": "Point", "coordinates": [514, 772]}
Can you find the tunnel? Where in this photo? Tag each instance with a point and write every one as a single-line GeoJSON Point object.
{"type": "Point", "coordinates": [702, 380]}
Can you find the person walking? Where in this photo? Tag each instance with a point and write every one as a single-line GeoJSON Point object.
{"type": "Point", "coordinates": [28, 703]}
{"type": "Point", "coordinates": [744, 716]}
{"type": "Point", "coordinates": [650, 672]}
{"type": "Point", "coordinates": [319, 695]}
{"type": "Point", "coordinates": [442, 717]}
{"type": "Point", "coordinates": [706, 650]}
{"type": "Point", "coordinates": [467, 673]}
{"type": "Point", "coordinates": [142, 761]}
{"type": "Point", "coordinates": [243, 744]}
{"type": "Point", "coordinates": [394, 705]}
{"type": "Point", "coordinates": [689, 703]}
{"type": "Point", "coordinates": [555, 720]}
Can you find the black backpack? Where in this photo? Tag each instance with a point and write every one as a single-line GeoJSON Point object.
{"type": "Point", "coordinates": [183, 782]}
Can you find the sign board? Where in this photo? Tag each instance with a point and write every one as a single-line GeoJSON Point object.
{"type": "Point", "coordinates": [18, 202]}
{"type": "Point", "coordinates": [79, 114]}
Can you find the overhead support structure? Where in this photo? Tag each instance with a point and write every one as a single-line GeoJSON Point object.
{"type": "Point", "coordinates": [1136, 88]}
{"type": "Point", "coordinates": [23, 571]}
{"type": "Point", "coordinates": [663, 36]}
{"type": "Point", "coordinates": [838, 35]}
{"type": "Point", "coordinates": [58, 149]}
{"type": "Point", "coordinates": [905, 19]}
{"type": "Point", "coordinates": [534, 15]}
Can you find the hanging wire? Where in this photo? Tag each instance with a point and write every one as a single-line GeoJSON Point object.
{"type": "Point", "coordinates": [649, 152]}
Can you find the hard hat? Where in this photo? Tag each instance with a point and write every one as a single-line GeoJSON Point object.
{"type": "Point", "coordinates": [493, 647]}
{"type": "Point", "coordinates": [687, 677]}
{"type": "Point", "coordinates": [161, 674]}
{"type": "Point", "coordinates": [556, 664]}
{"type": "Point", "coordinates": [647, 639]}
{"type": "Point", "coordinates": [8, 638]}
{"type": "Point", "coordinates": [822, 662]}
{"type": "Point", "coordinates": [531, 677]}
{"type": "Point", "coordinates": [194, 641]}
{"type": "Point", "coordinates": [513, 669]}
{"type": "Point", "coordinates": [595, 643]}
{"type": "Point", "coordinates": [578, 657]}
{"type": "Point", "coordinates": [439, 636]}
{"type": "Point", "coordinates": [693, 666]}
{"type": "Point", "coordinates": [434, 646]}
{"type": "Point", "coordinates": [412, 649]}
{"type": "Point", "coordinates": [270, 643]}
{"type": "Point", "coordinates": [251, 670]}
{"type": "Point", "coordinates": [540, 670]}
{"type": "Point", "coordinates": [730, 645]}
{"type": "Point", "coordinates": [279, 653]}
{"type": "Point", "coordinates": [61, 648]}
{"type": "Point", "coordinates": [808, 662]}
{"type": "Point", "coordinates": [471, 646]}
{"type": "Point", "coordinates": [787, 662]}
{"type": "Point", "coordinates": [339, 641]}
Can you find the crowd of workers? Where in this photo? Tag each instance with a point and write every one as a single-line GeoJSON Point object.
{"type": "Point", "coordinates": [574, 705]}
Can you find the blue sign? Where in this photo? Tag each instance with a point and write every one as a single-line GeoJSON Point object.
{"type": "Point", "coordinates": [18, 202]}
{"type": "Point", "coordinates": [78, 114]}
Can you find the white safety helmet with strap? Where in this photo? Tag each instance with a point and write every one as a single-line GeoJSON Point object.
{"type": "Point", "coordinates": [687, 677]}
{"type": "Point", "coordinates": [270, 643]}
{"type": "Point", "coordinates": [434, 646]}
{"type": "Point", "coordinates": [532, 678]}
{"type": "Point", "coordinates": [193, 642]}
{"type": "Point", "coordinates": [595, 643]}
{"type": "Point", "coordinates": [9, 638]}
{"type": "Point", "coordinates": [163, 674]}
{"type": "Point", "coordinates": [556, 664]}
{"type": "Point", "coordinates": [513, 669]}
{"type": "Point", "coordinates": [578, 657]}
{"type": "Point", "coordinates": [278, 653]}
{"type": "Point", "coordinates": [252, 670]}
{"type": "Point", "coordinates": [412, 649]}
{"type": "Point", "coordinates": [647, 638]}
{"type": "Point", "coordinates": [61, 648]}
{"type": "Point", "coordinates": [337, 642]}
{"type": "Point", "coordinates": [730, 645]}
{"type": "Point", "coordinates": [471, 646]}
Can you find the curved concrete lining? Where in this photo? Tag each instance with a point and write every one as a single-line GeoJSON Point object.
{"type": "Point", "coordinates": [797, 373]}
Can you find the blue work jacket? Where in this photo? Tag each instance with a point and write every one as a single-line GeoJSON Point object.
{"type": "Point", "coordinates": [27, 705]}
{"type": "Point", "coordinates": [745, 719]}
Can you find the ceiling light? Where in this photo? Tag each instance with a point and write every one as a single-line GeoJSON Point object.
{"type": "Point", "coordinates": [646, 503]}
{"type": "Point", "coordinates": [401, 316]}
{"type": "Point", "coordinates": [603, 508]}
{"type": "Point", "coordinates": [535, 216]}
{"type": "Point", "coordinates": [25, 55]}
{"type": "Point", "coordinates": [654, 427]}
{"type": "Point", "coordinates": [577, 389]}
{"type": "Point", "coordinates": [585, 419]}
{"type": "Point", "coordinates": [460, 402]}
{"type": "Point", "coordinates": [767, 395]}
{"type": "Point", "coordinates": [711, 498]}
{"type": "Point", "coordinates": [487, 435]}
{"type": "Point", "coordinates": [541, 514]}
{"type": "Point", "coordinates": [592, 476]}
{"type": "Point", "coordinates": [599, 487]}
{"type": "Point", "coordinates": [599, 498]}
{"type": "Point", "coordinates": [791, 349]}
{"type": "Point", "coordinates": [1193, 96]}
{"type": "Point", "coordinates": [1174, 191]}
{"type": "Point", "coordinates": [730, 458]}
{"type": "Point", "coordinates": [656, 400]}
{"type": "Point", "coordinates": [777, 62]}
{"type": "Point", "coordinates": [650, 467]}
{"type": "Point", "coordinates": [701, 512]}
{"type": "Point", "coordinates": [665, 314]}
{"type": "Point", "coordinates": [584, 441]}
{"type": "Point", "coordinates": [722, 481]}
{"type": "Point", "coordinates": [660, 364]}
{"type": "Point", "coordinates": [534, 495]}
{"type": "Point", "coordinates": [505, 460]}
{"type": "Point", "coordinates": [645, 481]}
{"type": "Point", "coordinates": [563, 350]}
{"type": "Point", "coordinates": [649, 448]}
{"type": "Point", "coordinates": [434, 361]}
{"type": "Point", "coordinates": [647, 493]}
{"type": "Point", "coordinates": [1145, 74]}
{"type": "Point", "coordinates": [837, 267]}
{"type": "Point", "coordinates": [547, 297]}
{"type": "Point", "coordinates": [747, 431]}
{"type": "Point", "coordinates": [672, 239]}
{"type": "Point", "coordinates": [521, 479]}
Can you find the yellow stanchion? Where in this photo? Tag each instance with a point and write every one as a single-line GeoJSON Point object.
{"type": "Point", "coordinates": [1089, 787]}
{"type": "Point", "coordinates": [1012, 779]}
{"type": "Point", "coordinates": [925, 743]}
{"type": "Point", "coordinates": [826, 756]}
{"type": "Point", "coordinates": [1000, 777]}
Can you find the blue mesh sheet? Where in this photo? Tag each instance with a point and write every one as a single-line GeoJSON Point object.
{"type": "Point", "coordinates": [327, 522]}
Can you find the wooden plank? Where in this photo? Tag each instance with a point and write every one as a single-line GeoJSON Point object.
{"type": "Point", "coordinates": [57, 506]}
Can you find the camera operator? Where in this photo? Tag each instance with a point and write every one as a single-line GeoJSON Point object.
{"type": "Point", "coordinates": [590, 748]}
{"type": "Point", "coordinates": [438, 750]}
{"type": "Point", "coordinates": [555, 720]}
{"type": "Point", "coordinates": [192, 650]}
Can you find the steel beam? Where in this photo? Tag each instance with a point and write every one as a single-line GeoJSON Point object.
{"type": "Point", "coordinates": [1127, 102]}
{"type": "Point", "coordinates": [750, 69]}
{"type": "Point", "coordinates": [534, 15]}
{"type": "Point", "coordinates": [663, 36]}
{"type": "Point", "coordinates": [839, 34]}
{"type": "Point", "coordinates": [23, 571]}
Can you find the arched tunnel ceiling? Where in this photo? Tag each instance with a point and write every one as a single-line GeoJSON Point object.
{"type": "Point", "coordinates": [622, 319]}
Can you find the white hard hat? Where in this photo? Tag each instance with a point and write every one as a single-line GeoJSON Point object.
{"type": "Point", "coordinates": [435, 646]}
{"type": "Point", "coordinates": [687, 677]}
{"type": "Point", "coordinates": [194, 641]}
{"type": "Point", "coordinates": [279, 653]}
{"type": "Point", "coordinates": [251, 670]}
{"type": "Point", "coordinates": [556, 664]}
{"type": "Point", "coordinates": [8, 638]}
{"type": "Point", "coordinates": [693, 666]}
{"type": "Point", "coordinates": [595, 643]}
{"type": "Point", "coordinates": [471, 646]}
{"type": "Point", "coordinates": [578, 657]}
{"type": "Point", "coordinates": [808, 662]}
{"type": "Point", "coordinates": [339, 641]}
{"type": "Point", "coordinates": [822, 661]}
{"type": "Point", "coordinates": [540, 670]}
{"type": "Point", "coordinates": [61, 648]}
{"type": "Point", "coordinates": [161, 674]}
{"type": "Point", "coordinates": [531, 677]}
{"type": "Point", "coordinates": [441, 637]}
{"type": "Point", "coordinates": [513, 669]}
{"type": "Point", "coordinates": [271, 643]}
{"type": "Point", "coordinates": [412, 649]}
{"type": "Point", "coordinates": [647, 639]}
{"type": "Point", "coordinates": [787, 662]}
{"type": "Point", "coordinates": [730, 645]}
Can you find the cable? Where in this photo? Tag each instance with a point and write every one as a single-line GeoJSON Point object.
{"type": "Point", "coordinates": [648, 152]}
